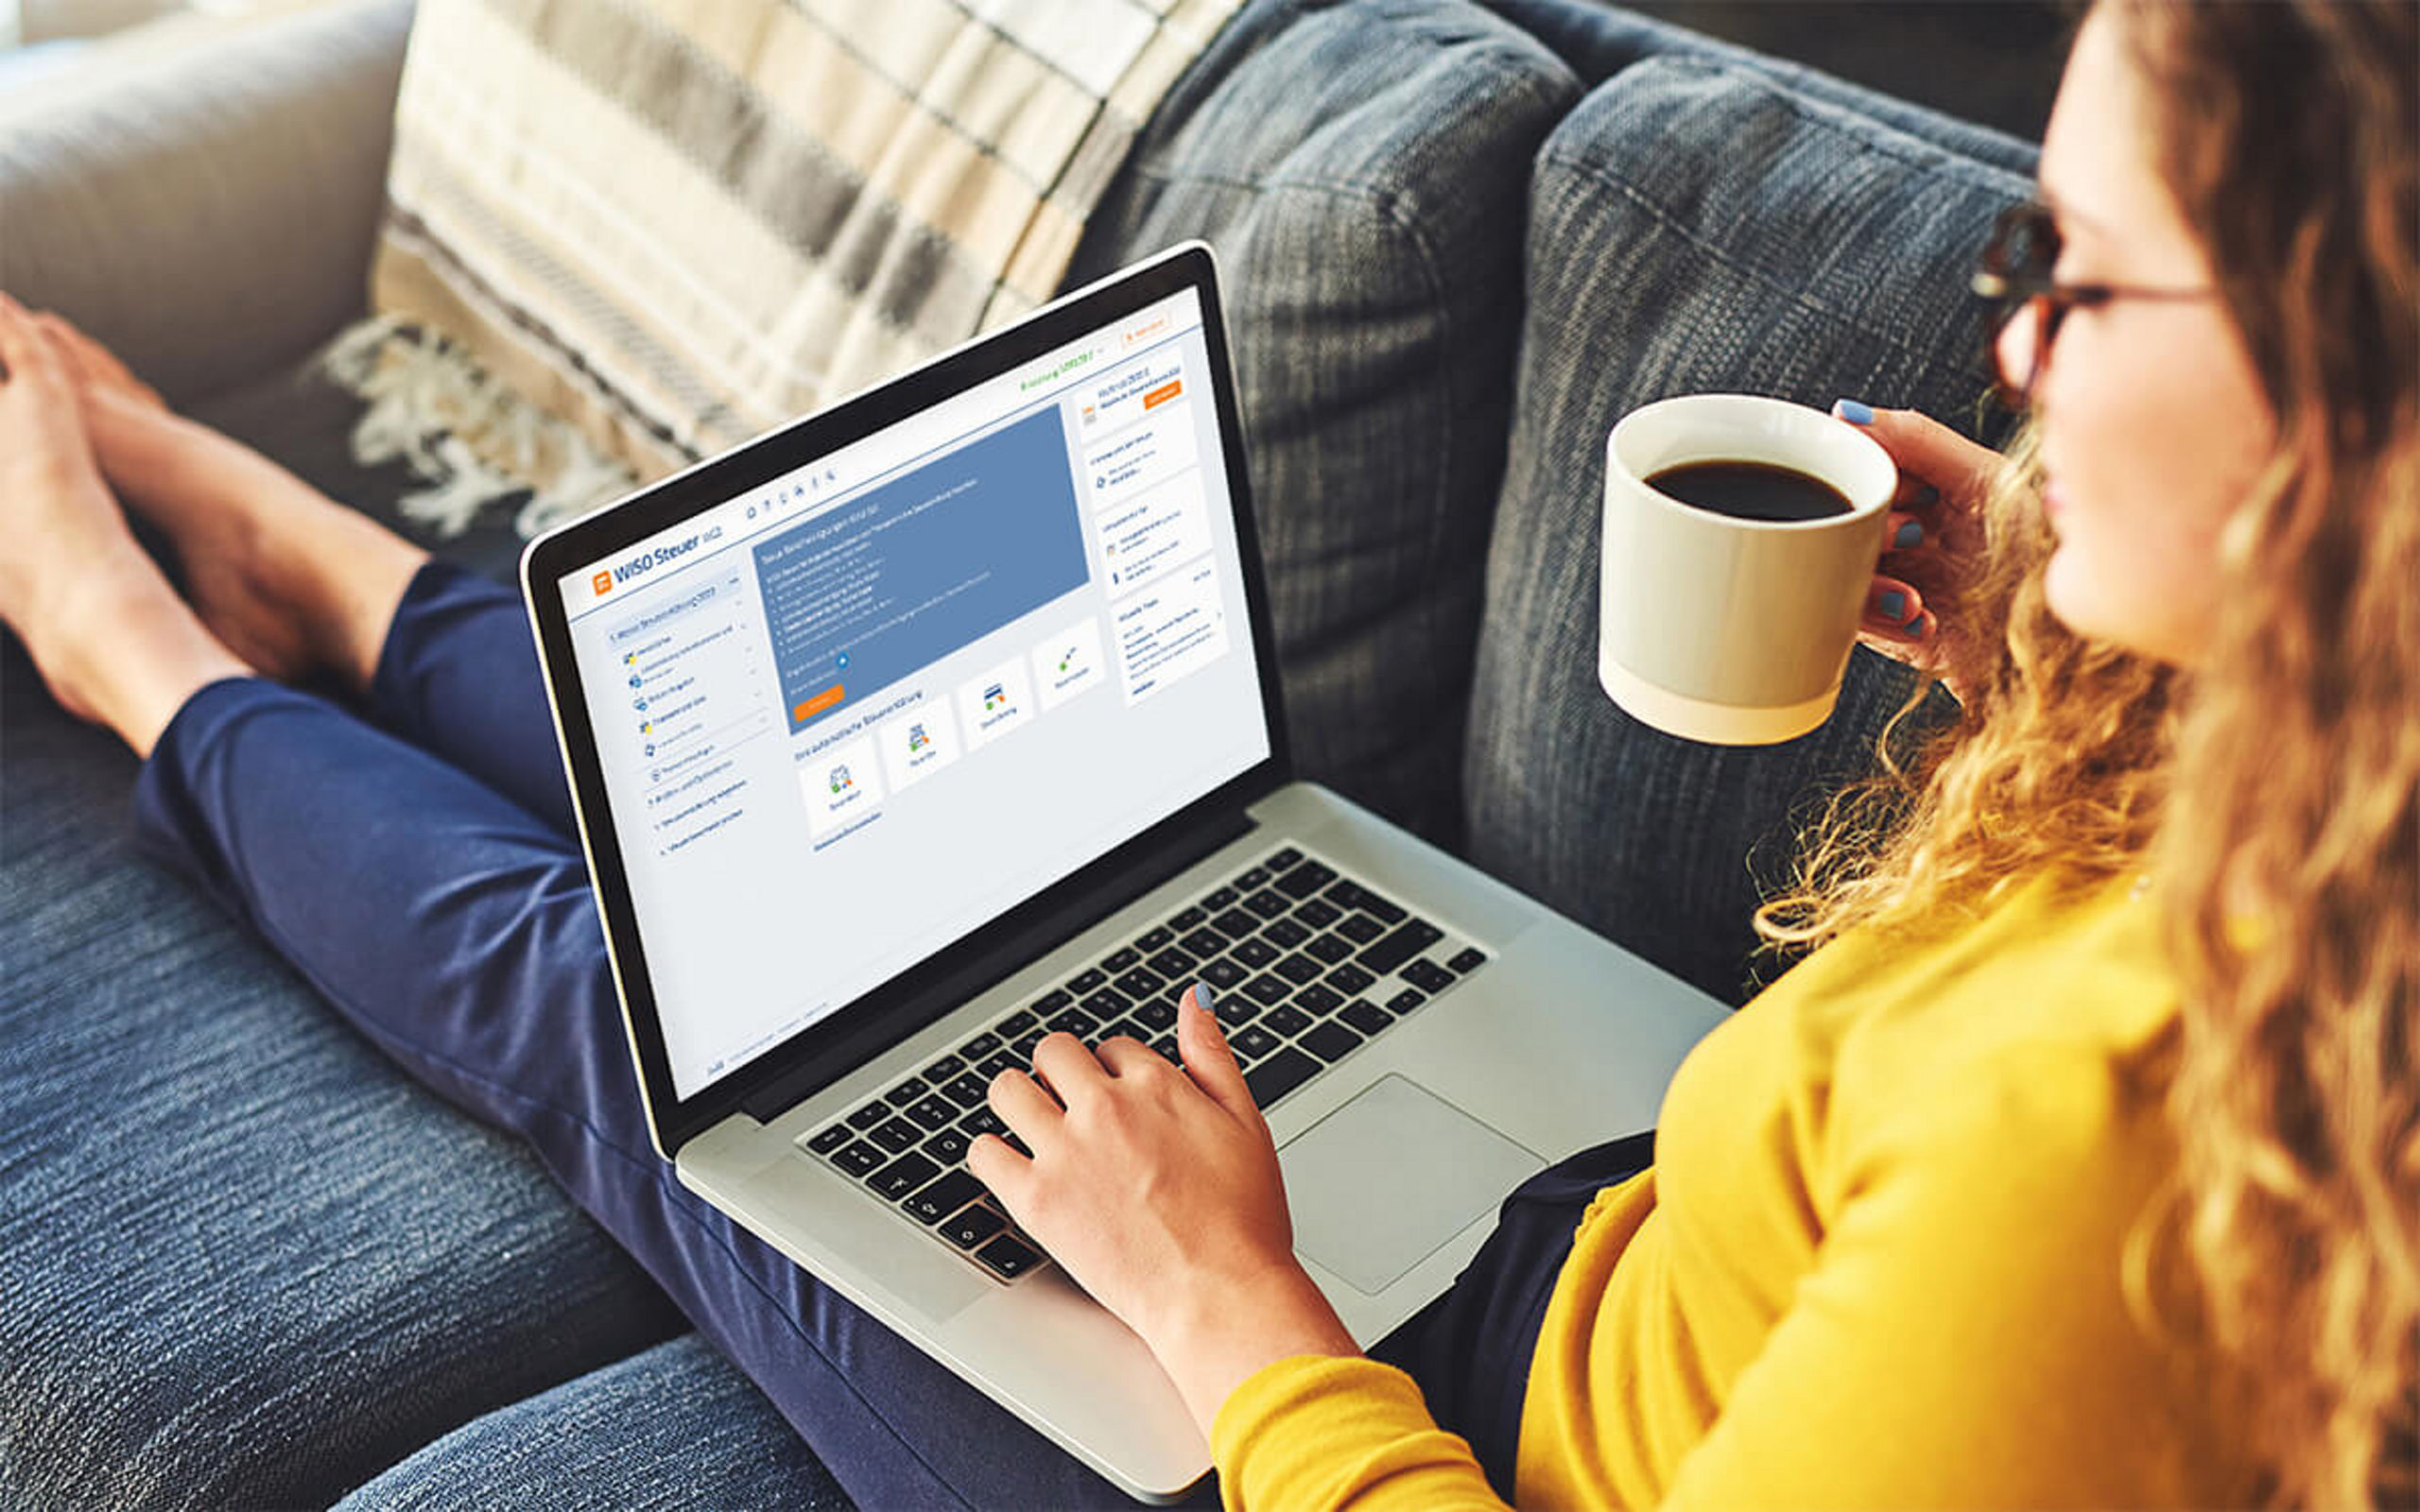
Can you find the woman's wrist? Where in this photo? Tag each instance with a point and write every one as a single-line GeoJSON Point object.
{"type": "Point", "coordinates": [1219, 1332]}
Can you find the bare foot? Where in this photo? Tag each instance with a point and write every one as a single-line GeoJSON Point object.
{"type": "Point", "coordinates": [112, 641]}
{"type": "Point", "coordinates": [291, 580]}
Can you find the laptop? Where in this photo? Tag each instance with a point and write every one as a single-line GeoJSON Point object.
{"type": "Point", "coordinates": [912, 730]}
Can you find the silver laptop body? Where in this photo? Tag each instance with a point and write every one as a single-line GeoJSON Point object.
{"type": "Point", "coordinates": [818, 853]}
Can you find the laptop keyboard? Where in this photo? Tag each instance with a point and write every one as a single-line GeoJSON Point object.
{"type": "Point", "coordinates": [1309, 966]}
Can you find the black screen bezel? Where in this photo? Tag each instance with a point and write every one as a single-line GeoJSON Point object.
{"type": "Point", "coordinates": [906, 1003]}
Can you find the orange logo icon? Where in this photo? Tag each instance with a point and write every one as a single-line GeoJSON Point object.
{"type": "Point", "coordinates": [601, 581]}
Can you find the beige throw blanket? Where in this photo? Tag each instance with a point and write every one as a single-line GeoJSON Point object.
{"type": "Point", "coordinates": [674, 223]}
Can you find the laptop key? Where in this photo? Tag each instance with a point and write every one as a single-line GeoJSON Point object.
{"type": "Point", "coordinates": [1166, 1045]}
{"type": "Point", "coordinates": [859, 1159]}
{"type": "Point", "coordinates": [1316, 913]}
{"type": "Point", "coordinates": [1157, 1014]}
{"type": "Point", "coordinates": [1360, 929]}
{"type": "Point", "coordinates": [1426, 976]}
{"type": "Point", "coordinates": [1173, 963]}
{"type": "Point", "coordinates": [939, 1199]}
{"type": "Point", "coordinates": [1268, 902]}
{"type": "Point", "coordinates": [1349, 978]}
{"type": "Point", "coordinates": [1254, 877]}
{"type": "Point", "coordinates": [1139, 983]}
{"type": "Point", "coordinates": [1078, 1022]}
{"type": "Point", "coordinates": [1022, 1022]}
{"type": "Point", "coordinates": [1267, 989]}
{"type": "Point", "coordinates": [1300, 969]}
{"type": "Point", "coordinates": [1254, 1041]}
{"type": "Point", "coordinates": [868, 1116]}
{"type": "Point", "coordinates": [829, 1140]}
{"type": "Point", "coordinates": [1155, 938]}
{"type": "Point", "coordinates": [1255, 952]}
{"type": "Point", "coordinates": [1407, 941]}
{"type": "Point", "coordinates": [1404, 1001]}
{"type": "Point", "coordinates": [905, 1093]}
{"type": "Point", "coordinates": [1283, 859]}
{"type": "Point", "coordinates": [1286, 1019]}
{"type": "Point", "coordinates": [932, 1112]}
{"type": "Point", "coordinates": [1469, 960]}
{"type": "Point", "coordinates": [897, 1134]}
{"type": "Point", "coordinates": [1279, 1075]}
{"type": "Point", "coordinates": [1329, 949]}
{"type": "Point", "coordinates": [972, 1225]}
{"type": "Point", "coordinates": [1285, 934]}
{"type": "Point", "coordinates": [948, 1147]}
{"type": "Point", "coordinates": [1218, 898]}
{"type": "Point", "coordinates": [903, 1175]}
{"type": "Point", "coordinates": [941, 1071]}
{"type": "Point", "coordinates": [995, 1063]}
{"type": "Point", "coordinates": [1330, 1041]}
{"type": "Point", "coordinates": [1224, 973]}
{"type": "Point", "coordinates": [979, 1123]}
{"type": "Point", "coordinates": [1007, 1258]}
{"type": "Point", "coordinates": [1318, 999]}
{"type": "Point", "coordinates": [979, 1049]}
{"type": "Point", "coordinates": [1205, 943]}
{"type": "Point", "coordinates": [1389, 913]}
{"type": "Point", "coordinates": [1237, 923]}
{"type": "Point", "coordinates": [1306, 880]}
{"type": "Point", "coordinates": [1186, 919]}
{"type": "Point", "coordinates": [1366, 1016]}
{"type": "Point", "coordinates": [967, 1089]}
{"type": "Point", "coordinates": [1119, 959]}
{"type": "Point", "coordinates": [1085, 980]}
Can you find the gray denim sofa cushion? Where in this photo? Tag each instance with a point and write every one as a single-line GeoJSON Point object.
{"type": "Point", "coordinates": [1696, 225]}
{"type": "Point", "coordinates": [1360, 169]}
{"type": "Point", "coordinates": [245, 1262]}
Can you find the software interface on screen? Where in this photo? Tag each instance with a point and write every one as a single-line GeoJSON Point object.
{"type": "Point", "coordinates": [854, 715]}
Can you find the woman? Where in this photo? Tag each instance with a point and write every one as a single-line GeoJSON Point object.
{"type": "Point", "coordinates": [2080, 1164]}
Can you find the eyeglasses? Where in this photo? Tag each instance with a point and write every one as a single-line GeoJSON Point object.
{"type": "Point", "coordinates": [2015, 275]}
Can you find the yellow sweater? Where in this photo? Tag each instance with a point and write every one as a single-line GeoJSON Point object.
{"type": "Point", "coordinates": [1877, 1263]}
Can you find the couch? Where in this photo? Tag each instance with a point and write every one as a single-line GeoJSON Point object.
{"type": "Point", "coordinates": [244, 1262]}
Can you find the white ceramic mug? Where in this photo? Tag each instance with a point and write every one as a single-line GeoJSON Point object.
{"type": "Point", "coordinates": [1727, 630]}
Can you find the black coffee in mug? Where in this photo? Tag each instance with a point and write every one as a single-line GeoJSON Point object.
{"type": "Point", "coordinates": [1751, 491]}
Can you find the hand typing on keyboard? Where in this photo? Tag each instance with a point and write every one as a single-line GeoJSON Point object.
{"type": "Point", "coordinates": [1158, 1189]}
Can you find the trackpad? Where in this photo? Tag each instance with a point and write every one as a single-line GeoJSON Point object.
{"type": "Point", "coordinates": [1378, 1184]}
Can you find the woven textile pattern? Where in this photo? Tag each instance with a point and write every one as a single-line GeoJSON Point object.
{"type": "Point", "coordinates": [674, 223]}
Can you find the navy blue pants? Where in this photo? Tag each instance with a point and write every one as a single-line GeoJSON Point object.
{"type": "Point", "coordinates": [416, 861]}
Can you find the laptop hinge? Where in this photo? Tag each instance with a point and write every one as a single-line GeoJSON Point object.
{"type": "Point", "coordinates": [1047, 933]}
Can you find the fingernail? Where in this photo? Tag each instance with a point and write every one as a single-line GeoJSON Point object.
{"type": "Point", "coordinates": [1853, 412]}
{"type": "Point", "coordinates": [1203, 999]}
{"type": "Point", "coordinates": [1910, 534]}
{"type": "Point", "coordinates": [1927, 497]}
{"type": "Point", "coordinates": [1893, 606]}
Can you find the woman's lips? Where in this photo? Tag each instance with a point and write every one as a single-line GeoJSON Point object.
{"type": "Point", "coordinates": [2052, 500]}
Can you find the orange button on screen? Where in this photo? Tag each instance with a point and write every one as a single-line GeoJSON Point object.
{"type": "Point", "coordinates": [818, 704]}
{"type": "Point", "coordinates": [1165, 391]}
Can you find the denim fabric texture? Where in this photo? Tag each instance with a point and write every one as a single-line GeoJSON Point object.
{"type": "Point", "coordinates": [245, 1264]}
{"type": "Point", "coordinates": [1360, 169]}
{"type": "Point", "coordinates": [1770, 243]}
{"type": "Point", "coordinates": [671, 1427]}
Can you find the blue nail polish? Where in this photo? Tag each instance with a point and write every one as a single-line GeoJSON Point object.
{"type": "Point", "coordinates": [1202, 995]}
{"type": "Point", "coordinates": [1893, 606]}
{"type": "Point", "coordinates": [1911, 533]}
{"type": "Point", "coordinates": [1855, 413]}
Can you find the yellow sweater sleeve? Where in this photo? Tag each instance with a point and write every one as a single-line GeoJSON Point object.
{"type": "Point", "coordinates": [1321, 1432]}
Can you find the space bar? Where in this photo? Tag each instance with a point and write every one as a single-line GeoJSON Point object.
{"type": "Point", "coordinates": [1279, 1075]}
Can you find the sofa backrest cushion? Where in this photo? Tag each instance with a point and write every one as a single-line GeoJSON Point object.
{"type": "Point", "coordinates": [1695, 225]}
{"type": "Point", "coordinates": [1360, 169]}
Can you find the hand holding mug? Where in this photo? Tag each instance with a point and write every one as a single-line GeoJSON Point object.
{"type": "Point", "coordinates": [1934, 534]}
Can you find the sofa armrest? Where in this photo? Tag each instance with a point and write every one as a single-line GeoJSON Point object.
{"type": "Point", "coordinates": [207, 206]}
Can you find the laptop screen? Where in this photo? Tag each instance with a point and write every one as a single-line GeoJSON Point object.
{"type": "Point", "coordinates": [850, 716]}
